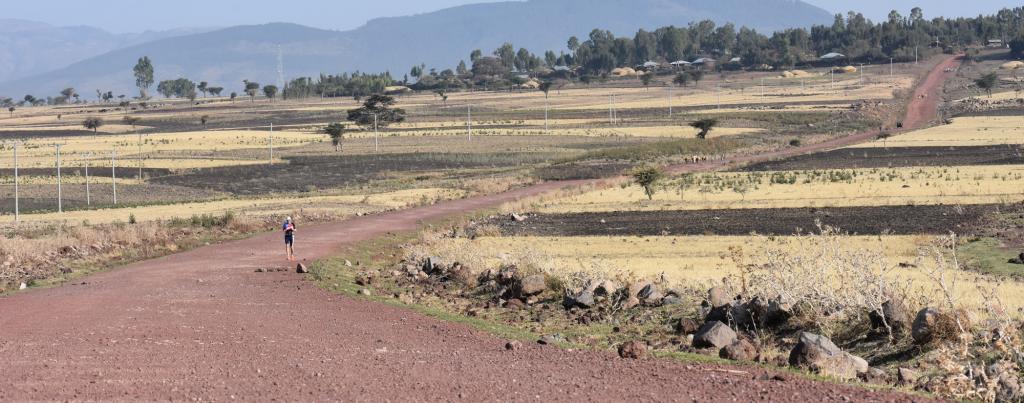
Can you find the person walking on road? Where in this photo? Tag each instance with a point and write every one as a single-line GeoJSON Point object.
{"type": "Point", "coordinates": [289, 238]}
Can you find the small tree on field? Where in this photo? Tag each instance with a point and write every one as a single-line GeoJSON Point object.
{"type": "Point", "coordinates": [131, 120]}
{"type": "Point", "coordinates": [697, 76]}
{"type": "Point", "coordinates": [233, 96]}
{"type": "Point", "coordinates": [681, 79]}
{"type": "Point", "coordinates": [705, 126]}
{"type": "Point", "coordinates": [92, 123]}
{"type": "Point", "coordinates": [203, 87]}
{"type": "Point", "coordinates": [251, 89]}
{"type": "Point", "coordinates": [647, 177]}
{"type": "Point", "coordinates": [443, 93]}
{"type": "Point", "coordinates": [270, 91]}
{"type": "Point", "coordinates": [337, 133]}
{"type": "Point", "coordinates": [987, 83]}
{"type": "Point", "coordinates": [646, 80]}
{"type": "Point", "coordinates": [11, 110]}
{"type": "Point", "coordinates": [203, 119]}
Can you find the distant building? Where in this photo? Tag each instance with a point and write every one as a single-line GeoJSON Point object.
{"type": "Point", "coordinates": [996, 43]}
{"type": "Point", "coordinates": [833, 56]}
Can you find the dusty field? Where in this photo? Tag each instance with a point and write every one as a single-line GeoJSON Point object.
{"type": "Point", "coordinates": [819, 188]}
{"type": "Point", "coordinates": [340, 206]}
{"type": "Point", "coordinates": [893, 157]}
{"type": "Point", "coordinates": [964, 131]}
{"type": "Point", "coordinates": [890, 220]}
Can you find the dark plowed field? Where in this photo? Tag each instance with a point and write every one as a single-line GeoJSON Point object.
{"type": "Point", "coordinates": [896, 220]}
{"type": "Point", "coordinates": [301, 173]}
{"type": "Point", "coordinates": [897, 157]}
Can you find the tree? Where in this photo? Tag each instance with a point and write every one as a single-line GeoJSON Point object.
{"type": "Point", "coordinates": [131, 120]}
{"type": "Point", "coordinates": [251, 89]}
{"type": "Point", "coordinates": [270, 91]}
{"type": "Point", "coordinates": [215, 91]}
{"type": "Point", "coordinates": [377, 108]}
{"type": "Point", "coordinates": [1017, 45]}
{"type": "Point", "coordinates": [443, 93]}
{"type": "Point", "coordinates": [697, 76]}
{"type": "Point", "coordinates": [462, 70]}
{"type": "Point", "coordinates": [233, 96]}
{"type": "Point", "coordinates": [475, 54]}
{"type": "Point", "coordinates": [647, 177]}
{"type": "Point", "coordinates": [11, 109]}
{"type": "Point", "coordinates": [337, 133]}
{"type": "Point", "coordinates": [92, 123]}
{"type": "Point", "coordinates": [988, 82]}
{"type": "Point", "coordinates": [681, 79]}
{"type": "Point", "coordinates": [646, 79]}
{"type": "Point", "coordinates": [705, 126]}
{"type": "Point", "coordinates": [143, 75]}
{"type": "Point", "coordinates": [203, 119]}
{"type": "Point", "coordinates": [180, 88]}
{"type": "Point", "coordinates": [416, 72]}
{"type": "Point", "coordinates": [488, 67]}
{"type": "Point", "coordinates": [203, 87]}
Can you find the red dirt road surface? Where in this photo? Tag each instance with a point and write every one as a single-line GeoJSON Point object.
{"type": "Point", "coordinates": [202, 325]}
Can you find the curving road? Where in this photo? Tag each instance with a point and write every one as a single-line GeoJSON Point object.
{"type": "Point", "coordinates": [202, 325]}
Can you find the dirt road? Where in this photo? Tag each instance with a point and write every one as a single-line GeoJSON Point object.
{"type": "Point", "coordinates": [202, 325]}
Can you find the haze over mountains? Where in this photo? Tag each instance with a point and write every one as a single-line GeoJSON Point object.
{"type": "Point", "coordinates": [439, 39]}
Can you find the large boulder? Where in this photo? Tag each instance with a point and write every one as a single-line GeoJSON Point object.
{"type": "Point", "coordinates": [687, 326]}
{"type": "Point", "coordinates": [718, 297]}
{"type": "Point", "coordinates": [819, 354]}
{"type": "Point", "coordinates": [739, 350]}
{"type": "Point", "coordinates": [532, 285]}
{"type": "Point", "coordinates": [923, 329]}
{"type": "Point", "coordinates": [895, 314]}
{"type": "Point", "coordinates": [714, 335]}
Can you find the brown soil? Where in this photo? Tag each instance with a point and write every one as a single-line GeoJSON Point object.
{"type": "Point", "coordinates": [202, 325]}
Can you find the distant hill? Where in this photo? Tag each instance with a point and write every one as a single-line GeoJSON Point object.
{"type": "Point", "coordinates": [28, 48]}
{"type": "Point", "coordinates": [440, 39]}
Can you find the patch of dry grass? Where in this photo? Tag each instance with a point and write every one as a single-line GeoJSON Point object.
{"type": "Point", "coordinates": [964, 131]}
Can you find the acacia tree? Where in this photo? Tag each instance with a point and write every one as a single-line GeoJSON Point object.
{"type": "Point", "coordinates": [131, 120]}
{"type": "Point", "coordinates": [705, 126]}
{"type": "Point", "coordinates": [988, 82]}
{"type": "Point", "coordinates": [215, 91]}
{"type": "Point", "coordinates": [379, 106]}
{"type": "Point", "coordinates": [251, 88]}
{"type": "Point", "coordinates": [337, 133]}
{"type": "Point", "coordinates": [92, 123]}
{"type": "Point", "coordinates": [681, 79]}
{"type": "Point", "coordinates": [270, 91]}
{"type": "Point", "coordinates": [647, 177]}
{"type": "Point", "coordinates": [545, 87]}
{"type": "Point", "coordinates": [11, 109]}
{"type": "Point", "coordinates": [143, 75]}
{"type": "Point", "coordinates": [443, 93]}
{"type": "Point", "coordinates": [646, 80]}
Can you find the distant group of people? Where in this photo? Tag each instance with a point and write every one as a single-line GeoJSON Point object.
{"type": "Point", "coordinates": [702, 158]}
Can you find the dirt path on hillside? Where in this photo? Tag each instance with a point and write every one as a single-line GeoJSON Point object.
{"type": "Point", "coordinates": [202, 325]}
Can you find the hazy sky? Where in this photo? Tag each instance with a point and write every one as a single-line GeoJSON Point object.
{"type": "Point", "coordinates": [137, 16]}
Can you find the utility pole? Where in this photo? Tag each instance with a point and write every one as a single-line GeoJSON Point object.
{"type": "Point", "coordinates": [670, 100]}
{"type": "Point", "coordinates": [546, 112]}
{"type": "Point", "coordinates": [376, 135]}
{"type": "Point", "coordinates": [719, 90]}
{"type": "Point", "coordinates": [271, 143]}
{"type": "Point", "coordinates": [762, 89]}
{"type": "Point", "coordinates": [891, 67]}
{"type": "Point", "coordinates": [140, 156]}
{"type": "Point", "coordinates": [88, 195]}
{"type": "Point", "coordinates": [610, 118]}
{"type": "Point", "coordinates": [113, 173]}
{"type": "Point", "coordinates": [469, 122]}
{"type": "Point", "coordinates": [17, 212]}
{"type": "Point", "coordinates": [60, 195]}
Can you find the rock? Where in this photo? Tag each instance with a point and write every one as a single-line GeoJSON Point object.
{"type": "Point", "coordinates": [718, 297]}
{"type": "Point", "coordinates": [301, 269]}
{"type": "Point", "coordinates": [348, 263]}
{"type": "Point", "coordinates": [671, 300]}
{"type": "Point", "coordinates": [364, 279]}
{"type": "Point", "coordinates": [365, 292]}
{"type": "Point", "coordinates": [647, 292]}
{"type": "Point", "coordinates": [739, 350]}
{"type": "Point", "coordinates": [633, 350]}
{"type": "Point", "coordinates": [23, 286]}
{"type": "Point", "coordinates": [687, 326]}
{"type": "Point", "coordinates": [714, 334]}
{"type": "Point", "coordinates": [585, 300]}
{"type": "Point", "coordinates": [818, 354]}
{"type": "Point", "coordinates": [1010, 389]}
{"type": "Point", "coordinates": [261, 270]}
{"type": "Point", "coordinates": [636, 288]}
{"type": "Point", "coordinates": [875, 376]}
{"type": "Point", "coordinates": [548, 340]}
{"type": "Point", "coordinates": [532, 285]}
{"type": "Point", "coordinates": [603, 288]}
{"type": "Point", "coordinates": [432, 265]}
{"type": "Point", "coordinates": [896, 315]}
{"type": "Point", "coordinates": [516, 217]}
{"type": "Point", "coordinates": [631, 302]}
{"type": "Point", "coordinates": [907, 377]}
{"type": "Point", "coordinates": [924, 325]}
{"type": "Point", "coordinates": [515, 304]}
{"type": "Point", "coordinates": [513, 345]}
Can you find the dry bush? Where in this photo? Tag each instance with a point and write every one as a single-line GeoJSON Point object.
{"type": "Point", "coordinates": [829, 285]}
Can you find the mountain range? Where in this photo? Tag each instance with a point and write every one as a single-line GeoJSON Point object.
{"type": "Point", "coordinates": [225, 57]}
